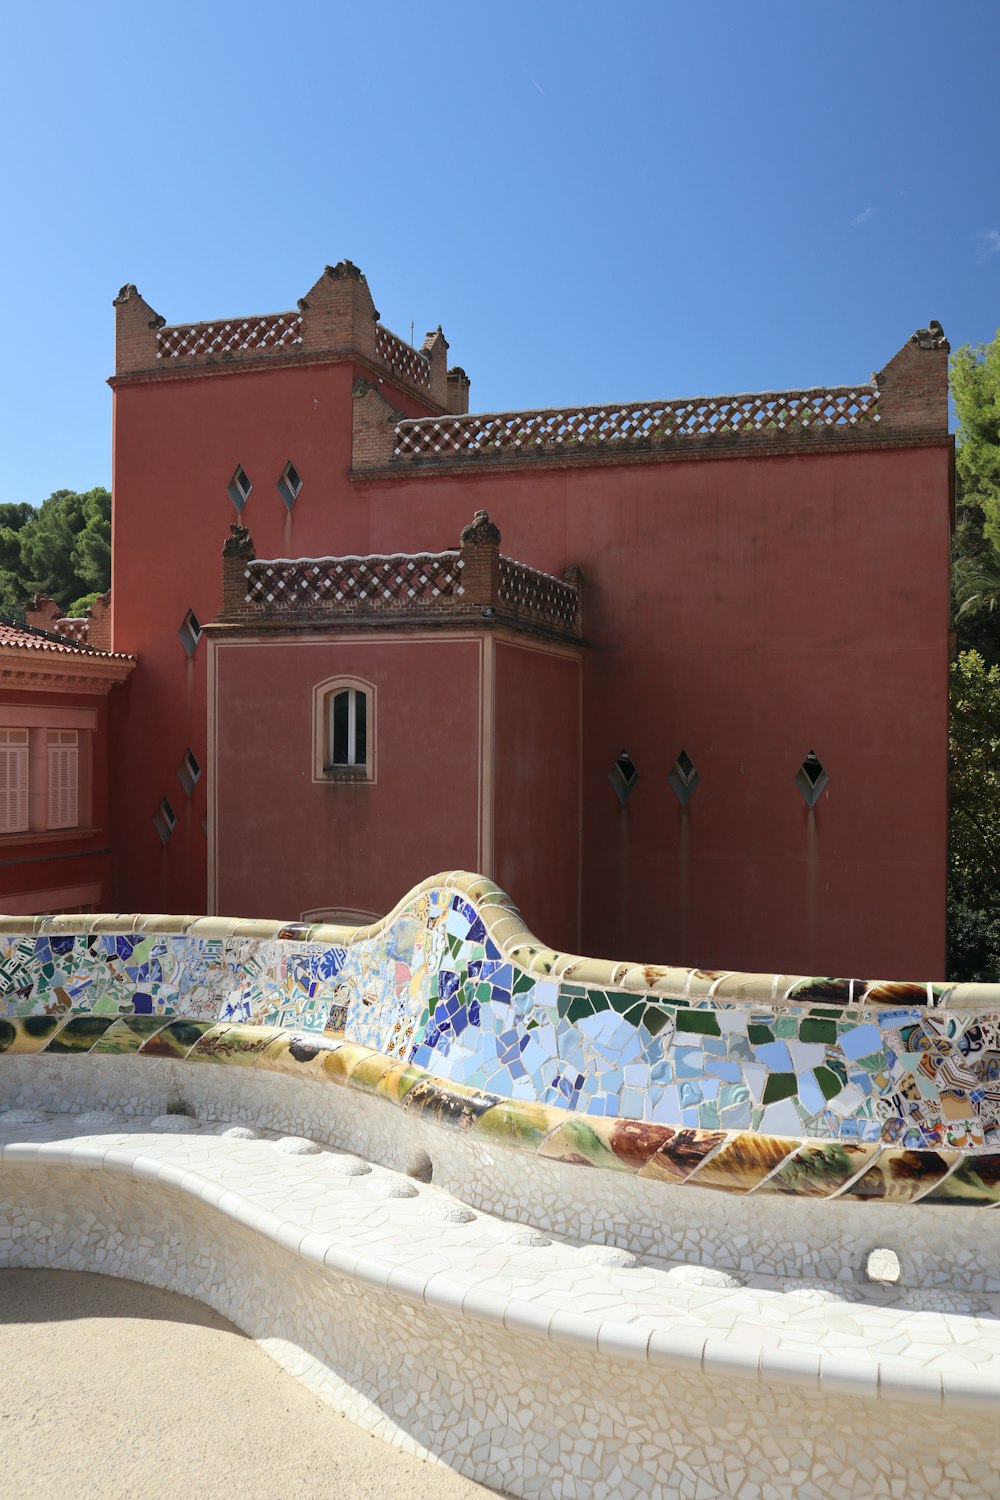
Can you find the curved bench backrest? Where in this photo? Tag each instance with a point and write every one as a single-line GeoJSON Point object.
{"type": "Point", "coordinates": [451, 982]}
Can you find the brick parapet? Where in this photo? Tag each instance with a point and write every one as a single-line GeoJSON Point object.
{"type": "Point", "coordinates": [913, 386]}
{"type": "Point", "coordinates": [99, 618]}
{"type": "Point", "coordinates": [480, 553]}
{"type": "Point", "coordinates": [336, 319]}
{"type": "Point", "coordinates": [458, 392]}
{"type": "Point", "coordinates": [905, 403]}
{"type": "Point", "coordinates": [373, 422]}
{"type": "Point", "coordinates": [435, 350]}
{"type": "Point", "coordinates": [93, 628]}
{"type": "Point", "coordinates": [41, 612]}
{"type": "Point", "coordinates": [473, 583]}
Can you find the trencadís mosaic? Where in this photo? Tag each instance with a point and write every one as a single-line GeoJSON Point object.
{"type": "Point", "coordinates": [449, 1006]}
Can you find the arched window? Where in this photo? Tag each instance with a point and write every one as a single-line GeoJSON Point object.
{"type": "Point", "coordinates": [344, 714]}
{"type": "Point", "coordinates": [347, 731]}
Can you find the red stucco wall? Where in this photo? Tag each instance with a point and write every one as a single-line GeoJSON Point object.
{"type": "Point", "coordinates": [536, 798]}
{"type": "Point", "coordinates": [288, 844]}
{"type": "Point", "coordinates": [746, 609]}
{"type": "Point", "coordinates": [749, 610]}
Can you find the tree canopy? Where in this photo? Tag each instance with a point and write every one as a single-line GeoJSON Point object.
{"type": "Point", "coordinates": [974, 784]}
{"type": "Point", "coordinates": [974, 834]}
{"type": "Point", "coordinates": [62, 549]}
{"type": "Point", "coordinates": [975, 391]}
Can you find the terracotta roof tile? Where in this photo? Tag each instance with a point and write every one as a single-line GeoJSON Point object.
{"type": "Point", "coordinates": [28, 638]}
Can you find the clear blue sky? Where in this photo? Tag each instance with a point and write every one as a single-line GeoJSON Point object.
{"type": "Point", "coordinates": [598, 202]}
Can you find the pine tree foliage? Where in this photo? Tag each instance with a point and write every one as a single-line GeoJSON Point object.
{"type": "Point", "coordinates": [62, 549]}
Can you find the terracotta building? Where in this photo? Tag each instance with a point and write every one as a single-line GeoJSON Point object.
{"type": "Point", "coordinates": [724, 744]}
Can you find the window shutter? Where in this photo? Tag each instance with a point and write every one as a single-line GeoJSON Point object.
{"type": "Point", "coordinates": [64, 779]}
{"type": "Point", "coordinates": [13, 780]}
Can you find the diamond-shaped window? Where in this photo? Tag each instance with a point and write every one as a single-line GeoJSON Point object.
{"type": "Point", "coordinates": [190, 632]}
{"type": "Point", "coordinates": [683, 777]}
{"type": "Point", "coordinates": [189, 772]}
{"type": "Point", "coordinates": [289, 484]}
{"type": "Point", "coordinates": [812, 779]}
{"type": "Point", "coordinates": [239, 488]}
{"type": "Point", "coordinates": [624, 777]}
{"type": "Point", "coordinates": [165, 821]}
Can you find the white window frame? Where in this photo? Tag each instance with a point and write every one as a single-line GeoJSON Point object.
{"type": "Point", "coordinates": [324, 695]}
{"type": "Point", "coordinates": [14, 797]}
{"type": "Point", "coordinates": [63, 788]}
{"type": "Point", "coordinates": [51, 727]}
{"type": "Point", "coordinates": [351, 763]}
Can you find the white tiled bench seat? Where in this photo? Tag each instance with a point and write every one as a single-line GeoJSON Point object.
{"type": "Point", "coordinates": [542, 1366]}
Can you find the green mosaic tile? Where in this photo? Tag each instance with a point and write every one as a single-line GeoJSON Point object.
{"type": "Point", "coordinates": [812, 1030]}
{"type": "Point", "coordinates": [700, 1022]}
{"type": "Point", "coordinates": [780, 1086]}
{"type": "Point", "coordinates": [655, 1019]}
{"type": "Point", "coordinates": [829, 1084]}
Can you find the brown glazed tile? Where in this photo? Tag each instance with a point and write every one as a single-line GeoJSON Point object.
{"type": "Point", "coordinates": [902, 1176]}
{"type": "Point", "coordinates": [975, 1182]}
{"type": "Point", "coordinates": [824, 990]}
{"type": "Point", "coordinates": [119, 1040]}
{"type": "Point", "coordinates": [448, 1103]}
{"type": "Point", "coordinates": [80, 1033]}
{"type": "Point", "coordinates": [300, 1053]}
{"type": "Point", "coordinates": [513, 1122]}
{"type": "Point", "coordinates": [743, 1162]}
{"type": "Point", "coordinates": [175, 1039]}
{"type": "Point", "coordinates": [147, 1026]}
{"type": "Point", "coordinates": [819, 1168]}
{"type": "Point", "coordinates": [889, 992]}
{"type": "Point", "coordinates": [397, 1081]}
{"type": "Point", "coordinates": [678, 1156]}
{"type": "Point", "coordinates": [23, 1034]}
{"type": "Point", "coordinates": [237, 1046]}
{"type": "Point", "coordinates": [635, 1141]}
{"type": "Point", "coordinates": [604, 1141]}
{"type": "Point", "coordinates": [339, 1065]}
{"type": "Point", "coordinates": [367, 1072]}
{"type": "Point", "coordinates": [580, 1142]}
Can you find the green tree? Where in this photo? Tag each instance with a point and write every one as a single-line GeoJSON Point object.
{"type": "Point", "coordinates": [13, 520]}
{"type": "Point", "coordinates": [975, 390]}
{"type": "Point", "coordinates": [65, 549]}
{"type": "Point", "coordinates": [92, 552]}
{"type": "Point", "coordinates": [974, 834]}
{"type": "Point", "coordinates": [80, 606]}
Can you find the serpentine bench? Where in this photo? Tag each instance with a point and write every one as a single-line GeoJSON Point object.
{"type": "Point", "coordinates": [524, 1125]}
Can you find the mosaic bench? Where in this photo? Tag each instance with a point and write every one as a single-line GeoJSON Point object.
{"type": "Point", "coordinates": [452, 1011]}
{"type": "Point", "coordinates": [751, 1137]}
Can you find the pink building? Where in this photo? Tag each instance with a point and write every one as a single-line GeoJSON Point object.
{"type": "Point", "coordinates": [55, 835]}
{"type": "Point", "coordinates": [745, 766]}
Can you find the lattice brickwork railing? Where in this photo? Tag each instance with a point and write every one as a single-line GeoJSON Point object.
{"type": "Point", "coordinates": [591, 428]}
{"type": "Point", "coordinates": [74, 628]}
{"type": "Point", "coordinates": [264, 335]}
{"type": "Point", "coordinates": [332, 583]}
{"type": "Point", "coordinates": [402, 359]}
{"type": "Point", "coordinates": [537, 596]}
